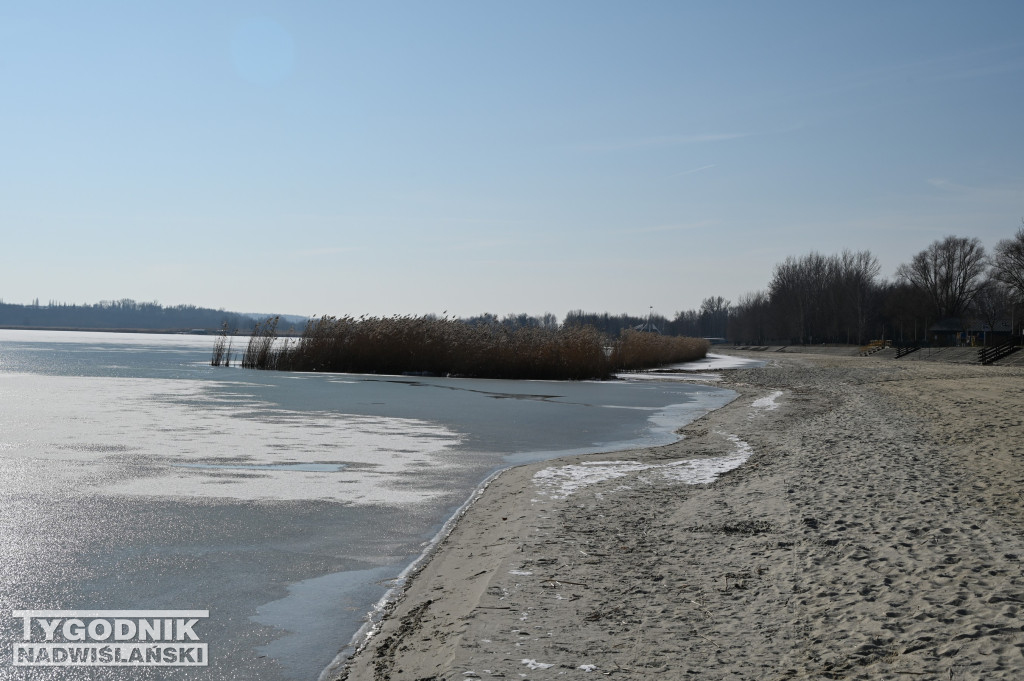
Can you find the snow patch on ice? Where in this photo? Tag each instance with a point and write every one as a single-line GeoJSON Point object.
{"type": "Point", "coordinates": [202, 439]}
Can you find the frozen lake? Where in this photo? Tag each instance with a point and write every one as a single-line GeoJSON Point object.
{"type": "Point", "coordinates": [136, 476]}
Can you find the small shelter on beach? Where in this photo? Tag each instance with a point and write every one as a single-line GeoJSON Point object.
{"type": "Point", "coordinates": [954, 331]}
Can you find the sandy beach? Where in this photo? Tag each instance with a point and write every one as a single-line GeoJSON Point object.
{"type": "Point", "coordinates": [874, 530]}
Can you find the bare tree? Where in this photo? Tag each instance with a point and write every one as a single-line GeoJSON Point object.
{"type": "Point", "coordinates": [993, 303]}
{"type": "Point", "coordinates": [1008, 264]}
{"type": "Point", "coordinates": [750, 318]}
{"type": "Point", "coordinates": [949, 272]}
{"type": "Point", "coordinates": [797, 292]}
{"type": "Point", "coordinates": [856, 287]}
{"type": "Point", "coordinates": [907, 311]}
{"type": "Point", "coordinates": [714, 316]}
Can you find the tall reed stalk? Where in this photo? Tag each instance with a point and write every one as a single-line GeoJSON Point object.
{"type": "Point", "coordinates": [260, 354]}
{"type": "Point", "coordinates": [221, 348]}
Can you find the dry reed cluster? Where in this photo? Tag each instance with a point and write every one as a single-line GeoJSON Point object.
{"type": "Point", "coordinates": [641, 350]}
{"type": "Point", "coordinates": [222, 348]}
{"type": "Point", "coordinates": [450, 347]}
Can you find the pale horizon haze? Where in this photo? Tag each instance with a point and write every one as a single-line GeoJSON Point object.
{"type": "Point", "coordinates": [409, 158]}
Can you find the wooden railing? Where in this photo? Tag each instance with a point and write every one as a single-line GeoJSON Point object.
{"type": "Point", "coordinates": [996, 352]}
{"type": "Point", "coordinates": [904, 350]}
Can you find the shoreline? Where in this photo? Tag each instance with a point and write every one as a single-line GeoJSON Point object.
{"type": "Point", "coordinates": [387, 603]}
{"type": "Point", "coordinates": [384, 607]}
{"type": "Point", "coordinates": [837, 550]}
{"type": "Point", "coordinates": [341, 667]}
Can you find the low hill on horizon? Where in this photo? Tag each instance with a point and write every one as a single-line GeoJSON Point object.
{"type": "Point", "coordinates": [127, 314]}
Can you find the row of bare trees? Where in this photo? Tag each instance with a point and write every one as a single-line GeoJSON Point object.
{"type": "Point", "coordinates": [840, 298]}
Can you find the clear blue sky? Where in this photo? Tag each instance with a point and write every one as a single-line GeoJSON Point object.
{"type": "Point", "coordinates": [413, 157]}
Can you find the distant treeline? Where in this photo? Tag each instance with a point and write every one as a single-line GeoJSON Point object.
{"type": "Point", "coordinates": [814, 298]}
{"type": "Point", "coordinates": [703, 324]}
{"type": "Point", "coordinates": [429, 345]}
{"type": "Point", "coordinates": [122, 314]}
{"type": "Point", "coordinates": [609, 324]}
{"type": "Point", "coordinates": [511, 321]}
{"type": "Point", "coordinates": [952, 285]}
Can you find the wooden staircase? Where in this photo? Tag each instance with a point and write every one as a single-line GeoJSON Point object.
{"type": "Point", "coordinates": [873, 347]}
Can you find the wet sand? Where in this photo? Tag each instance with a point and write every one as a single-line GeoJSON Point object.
{"type": "Point", "coordinates": [876, 531]}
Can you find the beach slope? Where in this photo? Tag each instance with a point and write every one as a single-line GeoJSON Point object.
{"type": "Point", "coordinates": [875, 531]}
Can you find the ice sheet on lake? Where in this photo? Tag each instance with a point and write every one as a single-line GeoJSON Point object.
{"type": "Point", "coordinates": [178, 438]}
{"type": "Point", "coordinates": [307, 606]}
{"type": "Point", "coordinates": [169, 340]}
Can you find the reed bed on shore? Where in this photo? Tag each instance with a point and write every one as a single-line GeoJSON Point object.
{"type": "Point", "coordinates": [450, 347]}
{"type": "Point", "coordinates": [637, 350]}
